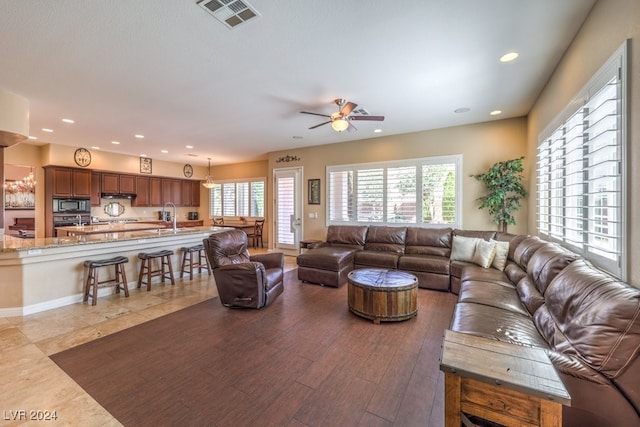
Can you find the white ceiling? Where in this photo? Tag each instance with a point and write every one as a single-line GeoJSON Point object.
{"type": "Point", "coordinates": [169, 70]}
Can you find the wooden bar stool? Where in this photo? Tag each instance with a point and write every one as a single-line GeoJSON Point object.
{"type": "Point", "coordinates": [163, 269]}
{"type": "Point", "coordinates": [188, 253]}
{"type": "Point", "coordinates": [91, 278]}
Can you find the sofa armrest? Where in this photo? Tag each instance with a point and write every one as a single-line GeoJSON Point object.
{"type": "Point", "coordinates": [269, 260]}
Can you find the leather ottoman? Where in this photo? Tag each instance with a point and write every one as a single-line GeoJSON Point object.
{"type": "Point", "coordinates": [327, 265]}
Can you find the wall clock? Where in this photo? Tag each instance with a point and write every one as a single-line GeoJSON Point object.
{"type": "Point", "coordinates": [82, 156]}
{"type": "Point", "coordinates": [187, 170]}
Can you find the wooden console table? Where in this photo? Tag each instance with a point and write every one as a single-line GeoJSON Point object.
{"type": "Point", "coordinates": [499, 382]}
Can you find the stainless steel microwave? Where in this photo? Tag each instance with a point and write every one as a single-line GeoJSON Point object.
{"type": "Point", "coordinates": [68, 205]}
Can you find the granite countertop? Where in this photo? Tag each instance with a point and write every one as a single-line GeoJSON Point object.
{"type": "Point", "coordinates": [16, 244]}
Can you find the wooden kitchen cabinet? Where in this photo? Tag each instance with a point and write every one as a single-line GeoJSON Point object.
{"type": "Point", "coordinates": [96, 181]}
{"type": "Point", "coordinates": [128, 184]}
{"type": "Point", "coordinates": [68, 182]}
{"type": "Point", "coordinates": [118, 184]}
{"type": "Point", "coordinates": [172, 191]}
{"type": "Point", "coordinates": [185, 190]}
{"type": "Point", "coordinates": [142, 191]}
{"type": "Point", "coordinates": [110, 183]}
{"type": "Point", "coordinates": [195, 194]}
{"type": "Point", "coordinates": [155, 192]}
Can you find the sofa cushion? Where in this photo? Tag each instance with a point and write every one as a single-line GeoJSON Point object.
{"type": "Point", "coordinates": [529, 294]}
{"type": "Point", "coordinates": [478, 234]}
{"type": "Point", "coordinates": [376, 259]}
{"type": "Point", "coordinates": [525, 250]}
{"type": "Point", "coordinates": [427, 263]}
{"type": "Point", "coordinates": [476, 273]}
{"type": "Point", "coordinates": [326, 258]}
{"type": "Point", "coordinates": [496, 323]}
{"type": "Point", "coordinates": [502, 253]}
{"type": "Point", "coordinates": [590, 314]}
{"type": "Point", "coordinates": [386, 239]}
{"type": "Point", "coordinates": [352, 236]}
{"type": "Point", "coordinates": [428, 241]}
{"type": "Point", "coordinates": [547, 262]}
{"type": "Point", "coordinates": [492, 294]}
{"type": "Point", "coordinates": [484, 254]}
{"type": "Point", "coordinates": [463, 248]}
{"type": "Point", "coordinates": [514, 272]}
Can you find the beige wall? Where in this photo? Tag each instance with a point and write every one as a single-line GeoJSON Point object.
{"type": "Point", "coordinates": [481, 146]}
{"type": "Point", "coordinates": [609, 24]}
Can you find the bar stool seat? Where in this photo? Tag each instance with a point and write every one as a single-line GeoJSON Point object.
{"type": "Point", "coordinates": [188, 262]}
{"type": "Point", "coordinates": [163, 269]}
{"type": "Point", "coordinates": [92, 280]}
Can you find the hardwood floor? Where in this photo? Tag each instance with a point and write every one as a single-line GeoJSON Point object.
{"type": "Point", "coordinates": [304, 360]}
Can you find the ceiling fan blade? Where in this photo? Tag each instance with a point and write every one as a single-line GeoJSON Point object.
{"type": "Point", "coordinates": [315, 114]}
{"type": "Point", "coordinates": [324, 123]}
{"type": "Point", "coordinates": [351, 128]}
{"type": "Point", "coordinates": [371, 118]}
{"type": "Point", "coordinates": [347, 108]}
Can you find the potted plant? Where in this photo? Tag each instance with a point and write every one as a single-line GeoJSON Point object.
{"type": "Point", "coordinates": [504, 186]}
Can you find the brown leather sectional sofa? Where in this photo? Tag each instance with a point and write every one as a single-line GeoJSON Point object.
{"type": "Point", "coordinates": [546, 296]}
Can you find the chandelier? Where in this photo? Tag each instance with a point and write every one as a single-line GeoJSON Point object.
{"type": "Point", "coordinates": [25, 185]}
{"type": "Point", "coordinates": [208, 183]}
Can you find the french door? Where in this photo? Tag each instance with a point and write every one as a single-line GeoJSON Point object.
{"type": "Point", "coordinates": [287, 208]}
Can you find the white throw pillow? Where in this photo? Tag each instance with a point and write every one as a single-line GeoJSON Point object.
{"type": "Point", "coordinates": [502, 252]}
{"type": "Point", "coordinates": [463, 248]}
{"type": "Point", "coordinates": [485, 252]}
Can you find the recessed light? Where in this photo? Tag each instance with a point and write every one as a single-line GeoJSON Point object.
{"type": "Point", "coordinates": [377, 130]}
{"type": "Point", "coordinates": [496, 112]}
{"type": "Point", "coordinates": [508, 57]}
{"type": "Point", "coordinates": [68, 121]}
{"type": "Point", "coordinates": [462, 110]}
{"type": "Point", "coordinates": [164, 151]}
{"type": "Point", "coordinates": [190, 147]}
{"type": "Point", "coordinates": [115, 142]}
{"type": "Point", "coordinates": [95, 147]}
{"type": "Point", "coordinates": [47, 130]}
{"type": "Point", "coordinates": [139, 136]}
{"type": "Point", "coordinates": [143, 155]}
{"type": "Point", "coordinates": [33, 137]}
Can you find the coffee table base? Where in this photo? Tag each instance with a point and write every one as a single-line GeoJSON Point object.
{"type": "Point", "coordinates": [383, 295]}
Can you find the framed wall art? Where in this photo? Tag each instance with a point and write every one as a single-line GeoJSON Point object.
{"type": "Point", "coordinates": [145, 165]}
{"type": "Point", "coordinates": [313, 191]}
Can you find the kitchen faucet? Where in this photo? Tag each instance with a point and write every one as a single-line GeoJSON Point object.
{"type": "Point", "coordinates": [175, 216]}
{"type": "Point", "coordinates": [79, 220]}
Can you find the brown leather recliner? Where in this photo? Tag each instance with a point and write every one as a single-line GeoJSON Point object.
{"type": "Point", "coordinates": [243, 280]}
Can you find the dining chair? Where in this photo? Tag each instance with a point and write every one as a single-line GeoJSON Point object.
{"type": "Point", "coordinates": [218, 221]}
{"type": "Point", "coordinates": [256, 235]}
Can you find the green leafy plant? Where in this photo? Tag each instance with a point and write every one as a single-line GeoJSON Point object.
{"type": "Point", "coordinates": [504, 191]}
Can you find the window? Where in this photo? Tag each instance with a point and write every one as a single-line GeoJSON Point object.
{"type": "Point", "coordinates": [581, 172]}
{"type": "Point", "coordinates": [417, 191]}
{"type": "Point", "coordinates": [238, 198]}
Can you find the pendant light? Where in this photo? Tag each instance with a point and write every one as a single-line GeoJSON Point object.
{"type": "Point", "coordinates": [208, 183]}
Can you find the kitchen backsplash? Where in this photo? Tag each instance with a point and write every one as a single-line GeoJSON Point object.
{"type": "Point", "coordinates": [142, 213]}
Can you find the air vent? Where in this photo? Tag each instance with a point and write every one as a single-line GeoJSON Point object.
{"type": "Point", "coordinates": [360, 112]}
{"type": "Point", "coordinates": [230, 12]}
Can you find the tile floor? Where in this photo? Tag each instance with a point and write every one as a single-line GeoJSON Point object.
{"type": "Point", "coordinates": [31, 382]}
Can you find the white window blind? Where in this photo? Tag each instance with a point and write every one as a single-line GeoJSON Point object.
{"type": "Point", "coordinates": [581, 172]}
{"type": "Point", "coordinates": [416, 191]}
{"type": "Point", "coordinates": [238, 198]}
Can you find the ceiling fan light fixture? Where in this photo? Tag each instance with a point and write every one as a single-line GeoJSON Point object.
{"type": "Point", "coordinates": [208, 180]}
{"type": "Point", "coordinates": [340, 125]}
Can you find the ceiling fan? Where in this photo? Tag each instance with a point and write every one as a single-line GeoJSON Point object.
{"type": "Point", "coordinates": [341, 119]}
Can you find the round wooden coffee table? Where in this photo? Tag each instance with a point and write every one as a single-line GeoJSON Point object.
{"type": "Point", "coordinates": [382, 295]}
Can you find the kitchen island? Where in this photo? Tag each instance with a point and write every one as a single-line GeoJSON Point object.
{"type": "Point", "coordinates": [45, 273]}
